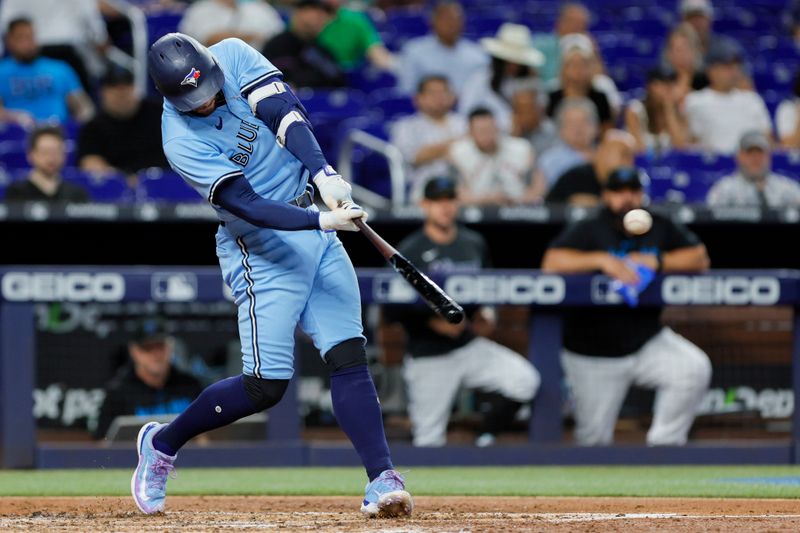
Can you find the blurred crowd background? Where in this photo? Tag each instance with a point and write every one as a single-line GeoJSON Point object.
{"type": "Point", "coordinates": [524, 101]}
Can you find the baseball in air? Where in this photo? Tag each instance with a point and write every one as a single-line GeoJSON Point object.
{"type": "Point", "coordinates": [637, 221]}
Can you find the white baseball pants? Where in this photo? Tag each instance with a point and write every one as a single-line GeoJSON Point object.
{"type": "Point", "coordinates": [679, 371]}
{"type": "Point", "coordinates": [433, 383]}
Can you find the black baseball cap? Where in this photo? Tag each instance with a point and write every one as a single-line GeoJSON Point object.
{"type": "Point", "coordinates": [440, 187]}
{"type": "Point", "coordinates": [661, 73]}
{"type": "Point", "coordinates": [116, 75]}
{"type": "Point", "coordinates": [625, 178]}
{"type": "Point", "coordinates": [150, 329]}
{"type": "Point", "coordinates": [319, 4]}
{"type": "Point", "coordinates": [723, 51]}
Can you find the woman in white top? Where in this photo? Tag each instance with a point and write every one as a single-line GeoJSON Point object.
{"type": "Point", "coordinates": [787, 118]}
{"type": "Point", "coordinates": [513, 67]}
{"type": "Point", "coordinates": [656, 122]}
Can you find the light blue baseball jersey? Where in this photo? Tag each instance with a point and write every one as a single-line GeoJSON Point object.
{"type": "Point", "coordinates": [279, 279]}
{"type": "Point", "coordinates": [232, 141]}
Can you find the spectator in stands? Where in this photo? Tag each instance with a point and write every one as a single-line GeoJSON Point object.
{"type": "Point", "coordinates": [576, 80]}
{"type": "Point", "coordinates": [73, 32]}
{"type": "Point", "coordinates": [529, 121]}
{"type": "Point", "coordinates": [682, 54]}
{"type": "Point", "coordinates": [35, 88]}
{"type": "Point", "coordinates": [576, 119]}
{"type": "Point", "coordinates": [754, 183]}
{"type": "Point", "coordinates": [493, 168]}
{"type": "Point", "coordinates": [572, 18]}
{"type": "Point", "coordinates": [656, 121]}
{"type": "Point", "coordinates": [791, 17]}
{"type": "Point", "coordinates": [787, 118]}
{"type": "Point", "coordinates": [513, 67]}
{"type": "Point", "coordinates": [699, 14]}
{"type": "Point", "coordinates": [583, 184]}
{"type": "Point", "coordinates": [443, 357]}
{"type": "Point", "coordinates": [444, 52]}
{"type": "Point", "coordinates": [150, 385]}
{"type": "Point", "coordinates": [125, 136]}
{"type": "Point", "coordinates": [296, 53]}
{"type": "Point", "coordinates": [425, 138]}
{"type": "Point", "coordinates": [608, 349]}
{"type": "Point", "coordinates": [719, 114]}
{"type": "Point", "coordinates": [210, 21]}
{"type": "Point", "coordinates": [351, 38]}
{"type": "Point", "coordinates": [46, 154]}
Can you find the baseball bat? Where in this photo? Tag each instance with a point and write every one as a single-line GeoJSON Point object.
{"type": "Point", "coordinates": [433, 295]}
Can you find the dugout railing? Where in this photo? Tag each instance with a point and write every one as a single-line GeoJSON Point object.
{"type": "Point", "coordinates": [23, 287]}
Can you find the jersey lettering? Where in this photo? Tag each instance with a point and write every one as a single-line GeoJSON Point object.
{"type": "Point", "coordinates": [248, 133]}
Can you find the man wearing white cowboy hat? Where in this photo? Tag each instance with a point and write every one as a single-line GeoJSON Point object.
{"type": "Point", "coordinates": [513, 66]}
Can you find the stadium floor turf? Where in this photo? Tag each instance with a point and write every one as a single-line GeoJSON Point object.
{"type": "Point", "coordinates": [661, 481]}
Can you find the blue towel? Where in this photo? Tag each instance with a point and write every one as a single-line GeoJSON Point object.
{"type": "Point", "coordinates": [631, 291]}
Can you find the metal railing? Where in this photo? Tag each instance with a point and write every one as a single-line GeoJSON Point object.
{"type": "Point", "coordinates": [136, 63]}
{"type": "Point", "coordinates": [394, 158]}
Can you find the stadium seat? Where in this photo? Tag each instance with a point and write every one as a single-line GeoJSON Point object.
{"type": "Point", "coordinates": [393, 104]}
{"type": "Point", "coordinates": [370, 79]}
{"type": "Point", "coordinates": [166, 186]}
{"type": "Point", "coordinates": [100, 189]}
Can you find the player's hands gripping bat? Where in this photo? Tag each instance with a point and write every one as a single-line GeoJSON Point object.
{"type": "Point", "coordinates": [342, 218]}
{"type": "Point", "coordinates": [433, 295]}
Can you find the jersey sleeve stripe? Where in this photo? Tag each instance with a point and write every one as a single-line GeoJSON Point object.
{"type": "Point", "coordinates": [248, 87]}
{"type": "Point", "coordinates": [216, 184]}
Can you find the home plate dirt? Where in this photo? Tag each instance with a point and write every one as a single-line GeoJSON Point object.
{"type": "Point", "coordinates": [432, 514]}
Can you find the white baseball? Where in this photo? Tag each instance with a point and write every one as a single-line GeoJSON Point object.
{"type": "Point", "coordinates": [637, 221]}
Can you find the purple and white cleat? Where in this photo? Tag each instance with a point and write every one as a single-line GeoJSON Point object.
{"type": "Point", "coordinates": [386, 496]}
{"type": "Point", "coordinates": [149, 481]}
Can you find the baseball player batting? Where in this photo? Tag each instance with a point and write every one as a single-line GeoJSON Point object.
{"type": "Point", "coordinates": [239, 136]}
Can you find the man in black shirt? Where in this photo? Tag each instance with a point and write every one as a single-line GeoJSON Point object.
{"type": "Point", "coordinates": [149, 385]}
{"type": "Point", "coordinates": [582, 185]}
{"type": "Point", "coordinates": [296, 54]}
{"type": "Point", "coordinates": [608, 349]}
{"type": "Point", "coordinates": [444, 357]}
{"type": "Point", "coordinates": [47, 155]}
{"type": "Point", "coordinates": [126, 135]}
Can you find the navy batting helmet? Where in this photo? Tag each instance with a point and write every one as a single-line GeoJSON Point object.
{"type": "Point", "coordinates": [184, 71]}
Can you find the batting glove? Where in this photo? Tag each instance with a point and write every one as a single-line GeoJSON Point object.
{"type": "Point", "coordinates": [333, 189]}
{"type": "Point", "coordinates": [342, 218]}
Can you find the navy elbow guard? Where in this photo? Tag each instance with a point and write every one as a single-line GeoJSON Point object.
{"type": "Point", "coordinates": [278, 107]}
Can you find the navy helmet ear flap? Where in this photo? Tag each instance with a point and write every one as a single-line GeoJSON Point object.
{"type": "Point", "coordinates": [184, 71]}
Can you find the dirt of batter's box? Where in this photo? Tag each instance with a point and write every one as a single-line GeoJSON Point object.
{"type": "Point", "coordinates": [432, 514]}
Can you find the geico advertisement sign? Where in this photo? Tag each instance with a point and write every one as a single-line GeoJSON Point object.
{"type": "Point", "coordinates": [514, 289]}
{"type": "Point", "coordinates": [63, 287]}
{"type": "Point", "coordinates": [727, 290]}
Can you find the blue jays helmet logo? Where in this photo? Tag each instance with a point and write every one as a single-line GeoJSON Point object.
{"type": "Point", "coordinates": [191, 78]}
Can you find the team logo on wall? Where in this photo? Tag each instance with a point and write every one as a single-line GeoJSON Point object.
{"type": "Point", "coordinates": [191, 78]}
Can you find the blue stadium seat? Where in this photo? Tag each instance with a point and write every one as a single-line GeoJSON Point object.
{"type": "Point", "coordinates": [685, 176]}
{"type": "Point", "coordinates": [370, 79]}
{"type": "Point", "coordinates": [100, 188]}
{"type": "Point", "coordinates": [410, 22]}
{"type": "Point", "coordinates": [12, 154]}
{"type": "Point", "coordinates": [160, 24]}
{"type": "Point", "coordinates": [393, 104]}
{"type": "Point", "coordinates": [327, 108]}
{"type": "Point", "coordinates": [166, 186]}
{"type": "Point", "coordinates": [12, 132]}
{"type": "Point", "coordinates": [787, 163]}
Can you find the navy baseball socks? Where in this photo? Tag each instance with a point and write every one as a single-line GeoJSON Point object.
{"type": "Point", "coordinates": [358, 411]}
